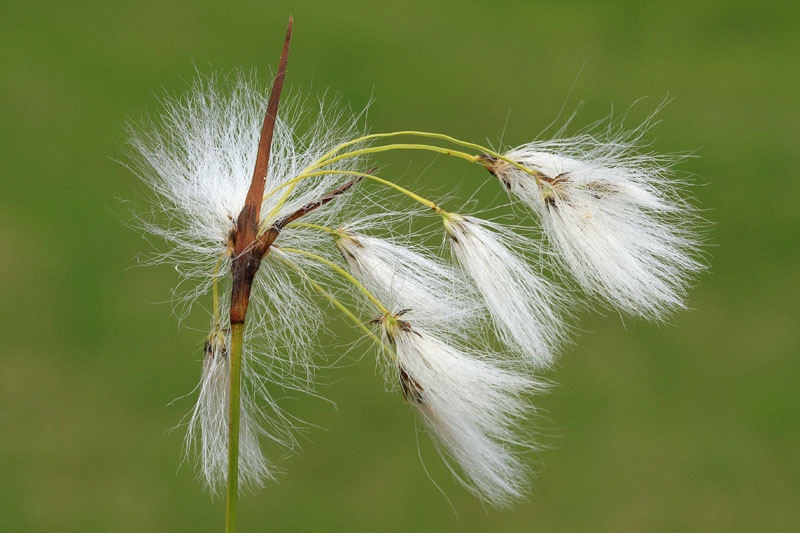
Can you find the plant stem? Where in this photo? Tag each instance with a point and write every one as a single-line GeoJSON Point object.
{"type": "Point", "coordinates": [246, 259]}
{"type": "Point", "coordinates": [373, 150]}
{"type": "Point", "coordinates": [388, 147]}
{"type": "Point", "coordinates": [215, 292]}
{"type": "Point", "coordinates": [232, 502]}
{"type": "Point", "coordinates": [339, 305]}
{"type": "Point", "coordinates": [292, 184]}
{"type": "Point", "coordinates": [343, 272]}
{"type": "Point", "coordinates": [319, 227]}
{"type": "Point", "coordinates": [432, 135]}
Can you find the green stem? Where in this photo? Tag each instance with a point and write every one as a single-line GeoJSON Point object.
{"type": "Point", "coordinates": [431, 135]}
{"type": "Point", "coordinates": [342, 272]}
{"type": "Point", "coordinates": [326, 229]}
{"type": "Point", "coordinates": [371, 150]}
{"type": "Point", "coordinates": [232, 503]}
{"type": "Point", "coordinates": [293, 182]}
{"type": "Point", "coordinates": [339, 305]}
{"type": "Point", "coordinates": [331, 157]}
{"type": "Point", "coordinates": [215, 292]}
{"type": "Point", "coordinates": [388, 147]}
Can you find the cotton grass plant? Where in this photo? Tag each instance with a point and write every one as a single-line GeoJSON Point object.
{"type": "Point", "coordinates": [264, 218]}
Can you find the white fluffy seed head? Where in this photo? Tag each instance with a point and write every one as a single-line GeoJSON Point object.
{"type": "Point", "coordinates": [473, 406]}
{"type": "Point", "coordinates": [525, 307]}
{"type": "Point", "coordinates": [426, 289]}
{"type": "Point", "coordinates": [197, 159]}
{"type": "Point", "coordinates": [615, 217]}
{"type": "Point", "coordinates": [207, 436]}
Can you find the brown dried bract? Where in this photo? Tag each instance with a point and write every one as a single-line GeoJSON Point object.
{"type": "Point", "coordinates": [248, 247]}
{"type": "Point", "coordinates": [412, 391]}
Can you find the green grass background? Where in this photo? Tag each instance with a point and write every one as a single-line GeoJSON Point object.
{"type": "Point", "coordinates": [690, 427]}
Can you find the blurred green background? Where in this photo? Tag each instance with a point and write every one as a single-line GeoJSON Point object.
{"type": "Point", "coordinates": [690, 427]}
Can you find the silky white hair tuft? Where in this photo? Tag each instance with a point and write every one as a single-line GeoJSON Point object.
{"type": "Point", "coordinates": [207, 435]}
{"type": "Point", "coordinates": [425, 288]}
{"type": "Point", "coordinates": [473, 405]}
{"type": "Point", "coordinates": [525, 306]}
{"type": "Point", "coordinates": [615, 217]}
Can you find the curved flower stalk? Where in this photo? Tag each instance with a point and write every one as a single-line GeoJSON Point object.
{"type": "Point", "coordinates": [615, 217]}
{"type": "Point", "coordinates": [471, 403]}
{"type": "Point", "coordinates": [264, 215]}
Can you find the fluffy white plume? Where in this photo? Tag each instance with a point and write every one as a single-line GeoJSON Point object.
{"type": "Point", "coordinates": [615, 218]}
{"type": "Point", "coordinates": [524, 305]}
{"type": "Point", "coordinates": [472, 404]}
{"type": "Point", "coordinates": [198, 159]}
{"type": "Point", "coordinates": [426, 289]}
{"type": "Point", "coordinates": [614, 215]}
{"type": "Point", "coordinates": [207, 435]}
